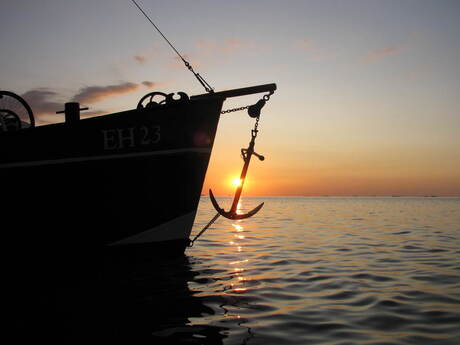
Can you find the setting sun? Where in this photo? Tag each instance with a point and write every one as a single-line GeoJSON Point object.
{"type": "Point", "coordinates": [236, 182]}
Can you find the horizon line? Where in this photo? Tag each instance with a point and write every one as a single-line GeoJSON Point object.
{"type": "Point", "coordinates": [343, 196]}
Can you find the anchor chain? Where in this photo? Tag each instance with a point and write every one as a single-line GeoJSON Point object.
{"type": "Point", "coordinates": [255, 131]}
{"type": "Point", "coordinates": [234, 109]}
{"type": "Point", "coordinates": [265, 99]}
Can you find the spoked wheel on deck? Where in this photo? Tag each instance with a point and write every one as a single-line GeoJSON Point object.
{"type": "Point", "coordinates": [15, 113]}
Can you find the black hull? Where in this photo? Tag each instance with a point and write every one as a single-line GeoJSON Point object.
{"type": "Point", "coordinates": [115, 182]}
{"type": "Point", "coordinates": [126, 179]}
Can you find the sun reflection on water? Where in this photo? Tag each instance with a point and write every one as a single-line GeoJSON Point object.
{"type": "Point", "coordinates": [238, 227]}
{"type": "Point", "coordinates": [237, 286]}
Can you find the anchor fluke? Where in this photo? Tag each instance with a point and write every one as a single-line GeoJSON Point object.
{"type": "Point", "coordinates": [232, 213]}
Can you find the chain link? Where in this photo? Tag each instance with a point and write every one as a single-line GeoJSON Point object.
{"type": "Point", "coordinates": [257, 123]}
{"type": "Point", "coordinates": [234, 109]}
{"type": "Point", "coordinates": [255, 131]}
{"type": "Point", "coordinates": [266, 98]}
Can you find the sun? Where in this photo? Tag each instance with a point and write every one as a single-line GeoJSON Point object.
{"type": "Point", "coordinates": [236, 182]}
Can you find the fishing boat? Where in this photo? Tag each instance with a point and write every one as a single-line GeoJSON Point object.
{"type": "Point", "coordinates": [124, 180]}
{"type": "Point", "coordinates": [131, 178]}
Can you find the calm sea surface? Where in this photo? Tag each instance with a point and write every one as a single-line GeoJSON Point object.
{"type": "Point", "coordinates": [302, 271]}
{"type": "Point", "coordinates": [332, 271]}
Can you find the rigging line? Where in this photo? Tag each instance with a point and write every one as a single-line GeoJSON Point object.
{"type": "Point", "coordinates": [204, 229]}
{"type": "Point", "coordinates": [202, 81]}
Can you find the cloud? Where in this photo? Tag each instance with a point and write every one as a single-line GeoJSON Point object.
{"type": "Point", "coordinates": [94, 94]}
{"type": "Point", "coordinates": [44, 106]}
{"type": "Point", "coordinates": [378, 54]}
{"type": "Point", "coordinates": [45, 102]}
{"type": "Point", "coordinates": [140, 58]}
{"type": "Point", "coordinates": [41, 101]}
{"type": "Point", "coordinates": [153, 84]}
{"type": "Point", "coordinates": [149, 84]}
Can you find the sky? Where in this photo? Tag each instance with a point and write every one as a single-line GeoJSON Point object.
{"type": "Point", "coordinates": [368, 99]}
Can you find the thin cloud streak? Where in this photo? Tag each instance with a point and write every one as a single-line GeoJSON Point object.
{"type": "Point", "coordinates": [149, 84]}
{"type": "Point", "coordinates": [378, 54]}
{"type": "Point", "coordinates": [94, 94]}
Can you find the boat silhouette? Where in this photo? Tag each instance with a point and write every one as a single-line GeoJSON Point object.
{"type": "Point", "coordinates": [126, 179]}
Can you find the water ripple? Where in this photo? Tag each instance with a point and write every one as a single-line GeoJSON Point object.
{"type": "Point", "coordinates": [334, 271]}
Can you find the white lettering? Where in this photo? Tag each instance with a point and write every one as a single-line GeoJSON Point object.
{"type": "Point", "coordinates": [119, 138]}
{"type": "Point", "coordinates": [129, 137]}
{"type": "Point", "coordinates": [150, 135]}
{"type": "Point", "coordinates": [145, 135]}
{"type": "Point", "coordinates": [156, 134]}
{"type": "Point", "coordinates": [110, 142]}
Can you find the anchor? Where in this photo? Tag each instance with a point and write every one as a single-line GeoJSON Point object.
{"type": "Point", "coordinates": [246, 154]}
{"type": "Point", "coordinates": [254, 112]}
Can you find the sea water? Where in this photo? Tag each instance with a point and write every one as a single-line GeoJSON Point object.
{"type": "Point", "coordinates": [310, 270]}
{"type": "Point", "coordinates": [304, 270]}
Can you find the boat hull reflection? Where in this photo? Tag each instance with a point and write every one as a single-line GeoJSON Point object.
{"type": "Point", "coordinates": [130, 298]}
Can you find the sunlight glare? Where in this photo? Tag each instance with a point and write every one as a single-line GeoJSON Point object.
{"type": "Point", "coordinates": [238, 227]}
{"type": "Point", "coordinates": [236, 182]}
{"type": "Point", "coordinates": [238, 262]}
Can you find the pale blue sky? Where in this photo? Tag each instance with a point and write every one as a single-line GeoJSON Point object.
{"type": "Point", "coordinates": [373, 86]}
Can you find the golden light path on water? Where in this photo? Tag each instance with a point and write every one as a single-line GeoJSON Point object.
{"type": "Point", "coordinates": [238, 285]}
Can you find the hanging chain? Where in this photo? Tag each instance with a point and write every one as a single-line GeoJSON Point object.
{"type": "Point", "coordinates": [255, 131]}
{"type": "Point", "coordinates": [266, 98]}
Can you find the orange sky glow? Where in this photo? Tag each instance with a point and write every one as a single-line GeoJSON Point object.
{"type": "Point", "coordinates": [367, 98]}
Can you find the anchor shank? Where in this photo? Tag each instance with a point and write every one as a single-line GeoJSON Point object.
{"type": "Point", "coordinates": [247, 159]}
